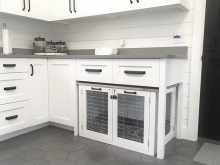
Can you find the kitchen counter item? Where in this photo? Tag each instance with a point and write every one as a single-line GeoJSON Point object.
{"type": "Point", "coordinates": [39, 45]}
{"type": "Point", "coordinates": [51, 47]}
{"type": "Point", "coordinates": [6, 40]}
{"type": "Point", "coordinates": [61, 47]}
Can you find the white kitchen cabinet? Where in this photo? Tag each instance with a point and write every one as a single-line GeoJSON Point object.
{"type": "Point", "coordinates": [61, 9]}
{"type": "Point", "coordinates": [62, 92]}
{"type": "Point", "coordinates": [84, 8]}
{"type": "Point", "coordinates": [113, 6]}
{"type": "Point", "coordinates": [144, 4]}
{"type": "Point", "coordinates": [14, 117]}
{"type": "Point", "coordinates": [17, 7]}
{"type": "Point", "coordinates": [37, 9]}
{"type": "Point", "coordinates": [29, 8]}
{"type": "Point", "coordinates": [38, 91]}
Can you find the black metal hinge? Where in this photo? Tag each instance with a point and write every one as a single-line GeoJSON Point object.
{"type": "Point", "coordinates": [114, 97]}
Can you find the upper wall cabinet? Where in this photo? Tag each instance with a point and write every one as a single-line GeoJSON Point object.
{"type": "Point", "coordinates": [113, 6]}
{"type": "Point", "coordinates": [30, 8]}
{"type": "Point", "coordinates": [67, 9]}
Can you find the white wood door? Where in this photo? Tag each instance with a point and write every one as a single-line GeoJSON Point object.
{"type": "Point", "coordinates": [113, 6]}
{"type": "Point", "coordinates": [62, 94]}
{"type": "Point", "coordinates": [37, 9]}
{"type": "Point", "coordinates": [38, 91]}
{"type": "Point", "coordinates": [142, 4]}
{"type": "Point", "coordinates": [14, 117]}
{"type": "Point", "coordinates": [131, 119]}
{"type": "Point", "coordinates": [84, 8]}
{"type": "Point", "coordinates": [61, 9]}
{"type": "Point", "coordinates": [95, 109]}
{"type": "Point", "coordinates": [18, 7]}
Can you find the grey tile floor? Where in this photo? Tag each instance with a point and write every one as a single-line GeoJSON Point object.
{"type": "Point", "coordinates": [56, 146]}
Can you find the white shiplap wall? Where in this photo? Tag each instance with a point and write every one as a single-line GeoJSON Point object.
{"type": "Point", "coordinates": [152, 30]}
{"type": "Point", "coordinates": [24, 31]}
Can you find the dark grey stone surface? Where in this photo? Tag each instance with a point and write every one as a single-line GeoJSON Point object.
{"type": "Point", "coordinates": [56, 146]}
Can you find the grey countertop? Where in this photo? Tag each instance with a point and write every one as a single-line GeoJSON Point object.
{"type": "Point", "coordinates": [146, 56]}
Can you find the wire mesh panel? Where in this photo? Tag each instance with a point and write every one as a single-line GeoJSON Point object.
{"type": "Point", "coordinates": [168, 113]}
{"type": "Point", "coordinates": [97, 111]}
{"type": "Point", "coordinates": [131, 117]}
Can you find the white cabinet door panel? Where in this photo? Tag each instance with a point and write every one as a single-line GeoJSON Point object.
{"type": "Point", "coordinates": [113, 6]}
{"type": "Point", "coordinates": [61, 9]}
{"type": "Point", "coordinates": [17, 7]}
{"type": "Point", "coordinates": [39, 92]}
{"type": "Point", "coordinates": [87, 8]}
{"type": "Point", "coordinates": [37, 9]}
{"type": "Point", "coordinates": [62, 91]}
{"type": "Point", "coordinates": [142, 4]}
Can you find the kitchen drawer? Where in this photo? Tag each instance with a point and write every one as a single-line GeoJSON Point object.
{"type": "Point", "coordinates": [94, 70]}
{"type": "Point", "coordinates": [14, 117]}
{"type": "Point", "coordinates": [13, 65]}
{"type": "Point", "coordinates": [136, 72]}
{"type": "Point", "coordinates": [14, 87]}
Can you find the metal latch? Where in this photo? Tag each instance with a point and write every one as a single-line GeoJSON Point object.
{"type": "Point", "coordinates": [114, 97]}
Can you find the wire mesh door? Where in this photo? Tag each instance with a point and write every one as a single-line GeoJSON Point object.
{"type": "Point", "coordinates": [97, 112]}
{"type": "Point", "coordinates": [131, 118]}
{"type": "Point", "coordinates": [170, 114]}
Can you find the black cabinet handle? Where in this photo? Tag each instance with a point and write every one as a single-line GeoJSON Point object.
{"type": "Point", "coordinates": [9, 65]}
{"type": "Point", "coordinates": [133, 93]}
{"type": "Point", "coordinates": [24, 5]}
{"type": "Point", "coordinates": [97, 89]}
{"type": "Point", "coordinates": [10, 88]}
{"type": "Point", "coordinates": [131, 1]}
{"type": "Point", "coordinates": [70, 6]}
{"type": "Point", "coordinates": [137, 1]}
{"type": "Point", "coordinates": [32, 69]}
{"type": "Point", "coordinates": [134, 72]}
{"type": "Point", "coordinates": [74, 6]}
{"type": "Point", "coordinates": [11, 117]}
{"type": "Point", "coordinates": [93, 70]}
{"type": "Point", "coordinates": [29, 6]}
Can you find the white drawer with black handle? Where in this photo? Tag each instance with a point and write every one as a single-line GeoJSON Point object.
{"type": "Point", "coordinates": [14, 87]}
{"type": "Point", "coordinates": [94, 70]}
{"type": "Point", "coordinates": [138, 72]}
{"type": "Point", "coordinates": [13, 65]}
{"type": "Point", "coordinates": [14, 116]}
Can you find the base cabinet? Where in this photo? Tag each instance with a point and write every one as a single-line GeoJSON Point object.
{"type": "Point", "coordinates": [62, 104]}
{"type": "Point", "coordinates": [14, 117]}
{"type": "Point", "coordinates": [38, 79]}
{"type": "Point", "coordinates": [118, 117]}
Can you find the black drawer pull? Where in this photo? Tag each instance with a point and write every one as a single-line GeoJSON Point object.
{"type": "Point", "coordinates": [10, 88]}
{"type": "Point", "coordinates": [11, 117]}
{"type": "Point", "coordinates": [9, 65]}
{"type": "Point", "coordinates": [134, 72]}
{"type": "Point", "coordinates": [97, 89]}
{"type": "Point", "coordinates": [93, 70]}
{"type": "Point", "coordinates": [133, 93]}
{"type": "Point", "coordinates": [32, 69]}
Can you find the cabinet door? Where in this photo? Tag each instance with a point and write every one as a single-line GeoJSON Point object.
{"type": "Point", "coordinates": [131, 118]}
{"type": "Point", "coordinates": [61, 9]}
{"type": "Point", "coordinates": [142, 4]}
{"type": "Point", "coordinates": [84, 8]}
{"type": "Point", "coordinates": [38, 91]}
{"type": "Point", "coordinates": [37, 9]}
{"type": "Point", "coordinates": [112, 6]}
{"type": "Point", "coordinates": [17, 7]}
{"type": "Point", "coordinates": [95, 109]}
{"type": "Point", "coordinates": [62, 91]}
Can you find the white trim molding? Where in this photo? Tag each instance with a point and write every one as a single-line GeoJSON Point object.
{"type": "Point", "coordinates": [195, 82]}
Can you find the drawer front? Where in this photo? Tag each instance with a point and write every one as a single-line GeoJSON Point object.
{"type": "Point", "coordinates": [94, 70]}
{"type": "Point", "coordinates": [14, 117]}
{"type": "Point", "coordinates": [136, 72]}
{"type": "Point", "coordinates": [14, 87]}
{"type": "Point", "coordinates": [13, 65]}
